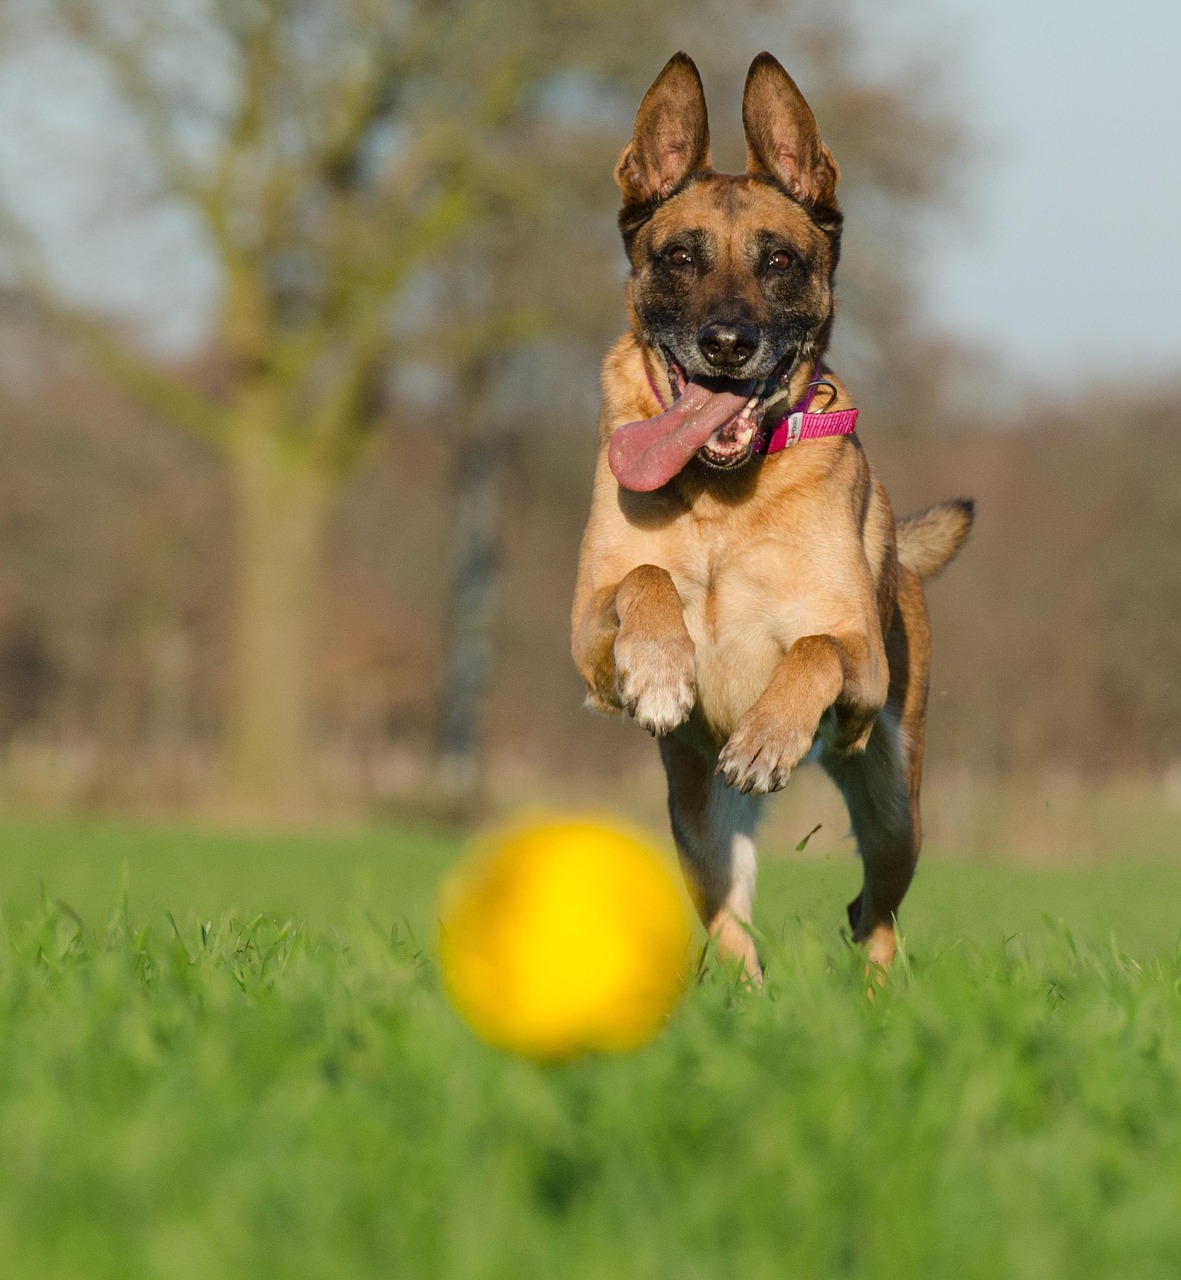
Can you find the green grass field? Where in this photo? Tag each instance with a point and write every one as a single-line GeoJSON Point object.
{"type": "Point", "coordinates": [230, 1056]}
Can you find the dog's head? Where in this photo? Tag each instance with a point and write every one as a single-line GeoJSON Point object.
{"type": "Point", "coordinates": [731, 273]}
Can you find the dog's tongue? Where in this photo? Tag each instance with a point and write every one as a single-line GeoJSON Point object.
{"type": "Point", "coordinates": [645, 455]}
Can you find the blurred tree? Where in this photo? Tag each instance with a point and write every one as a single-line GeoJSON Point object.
{"type": "Point", "coordinates": [332, 151]}
{"type": "Point", "coordinates": [399, 199]}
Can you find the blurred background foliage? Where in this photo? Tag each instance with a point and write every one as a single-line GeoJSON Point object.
{"type": "Point", "coordinates": [290, 505]}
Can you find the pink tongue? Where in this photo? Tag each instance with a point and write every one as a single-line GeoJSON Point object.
{"type": "Point", "coordinates": [645, 455]}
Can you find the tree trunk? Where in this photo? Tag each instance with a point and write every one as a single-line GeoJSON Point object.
{"type": "Point", "coordinates": [283, 507]}
{"type": "Point", "coordinates": [475, 591]}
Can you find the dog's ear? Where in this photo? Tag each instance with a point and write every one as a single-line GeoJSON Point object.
{"type": "Point", "coordinates": [782, 140]}
{"type": "Point", "coordinates": [671, 138]}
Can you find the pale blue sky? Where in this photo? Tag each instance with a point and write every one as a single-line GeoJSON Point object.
{"type": "Point", "coordinates": [1066, 256]}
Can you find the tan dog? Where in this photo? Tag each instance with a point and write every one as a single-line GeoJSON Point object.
{"type": "Point", "coordinates": [747, 605]}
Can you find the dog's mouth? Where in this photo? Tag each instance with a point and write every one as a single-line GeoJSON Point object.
{"type": "Point", "coordinates": [715, 419]}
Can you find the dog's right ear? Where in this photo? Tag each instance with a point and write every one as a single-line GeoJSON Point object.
{"type": "Point", "coordinates": [671, 138]}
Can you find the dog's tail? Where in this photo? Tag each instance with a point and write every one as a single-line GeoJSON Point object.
{"type": "Point", "coordinates": [929, 539]}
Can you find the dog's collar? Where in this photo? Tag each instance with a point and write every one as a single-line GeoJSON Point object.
{"type": "Point", "coordinates": [799, 423]}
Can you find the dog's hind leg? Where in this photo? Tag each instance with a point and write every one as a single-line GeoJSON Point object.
{"type": "Point", "coordinates": [885, 824]}
{"type": "Point", "coordinates": [713, 825]}
{"type": "Point", "coordinates": [881, 783]}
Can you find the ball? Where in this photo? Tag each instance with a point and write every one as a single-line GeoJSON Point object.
{"type": "Point", "coordinates": [564, 937]}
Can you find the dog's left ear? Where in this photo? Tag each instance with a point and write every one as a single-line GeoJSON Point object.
{"type": "Point", "coordinates": [782, 140]}
{"type": "Point", "coordinates": [671, 138]}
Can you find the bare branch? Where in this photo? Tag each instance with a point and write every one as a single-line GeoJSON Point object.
{"type": "Point", "coordinates": [461, 344]}
{"type": "Point", "coordinates": [259, 50]}
{"type": "Point", "coordinates": [358, 324]}
{"type": "Point", "coordinates": [148, 382]}
{"type": "Point", "coordinates": [150, 105]}
{"type": "Point", "coordinates": [140, 377]}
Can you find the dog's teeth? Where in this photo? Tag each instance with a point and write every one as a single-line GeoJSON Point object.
{"type": "Point", "coordinates": [779, 395]}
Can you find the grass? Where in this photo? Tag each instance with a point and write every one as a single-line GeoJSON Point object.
{"type": "Point", "coordinates": [231, 1057]}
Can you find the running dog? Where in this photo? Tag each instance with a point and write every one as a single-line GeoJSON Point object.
{"type": "Point", "coordinates": [743, 590]}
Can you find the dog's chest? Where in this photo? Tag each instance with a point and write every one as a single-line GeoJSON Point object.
{"type": "Point", "coordinates": [746, 601]}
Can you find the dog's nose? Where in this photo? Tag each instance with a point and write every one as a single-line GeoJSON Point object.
{"type": "Point", "coordinates": [728, 346]}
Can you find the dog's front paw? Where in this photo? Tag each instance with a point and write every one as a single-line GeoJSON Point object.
{"type": "Point", "coordinates": [656, 679]}
{"type": "Point", "coordinates": [762, 752]}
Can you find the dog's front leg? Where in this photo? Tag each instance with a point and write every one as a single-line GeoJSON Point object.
{"type": "Point", "coordinates": [634, 651]}
{"type": "Point", "coordinates": [776, 733]}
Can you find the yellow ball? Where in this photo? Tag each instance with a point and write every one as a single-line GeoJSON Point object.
{"type": "Point", "coordinates": [564, 937]}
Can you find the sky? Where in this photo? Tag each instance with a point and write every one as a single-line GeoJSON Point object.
{"type": "Point", "coordinates": [1064, 256]}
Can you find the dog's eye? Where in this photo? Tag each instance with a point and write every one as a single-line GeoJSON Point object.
{"type": "Point", "coordinates": [679, 256]}
{"type": "Point", "coordinates": [780, 260]}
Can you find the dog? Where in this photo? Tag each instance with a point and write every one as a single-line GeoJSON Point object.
{"type": "Point", "coordinates": [743, 590]}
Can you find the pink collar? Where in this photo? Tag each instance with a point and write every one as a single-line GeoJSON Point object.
{"type": "Point", "coordinates": [795, 425]}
